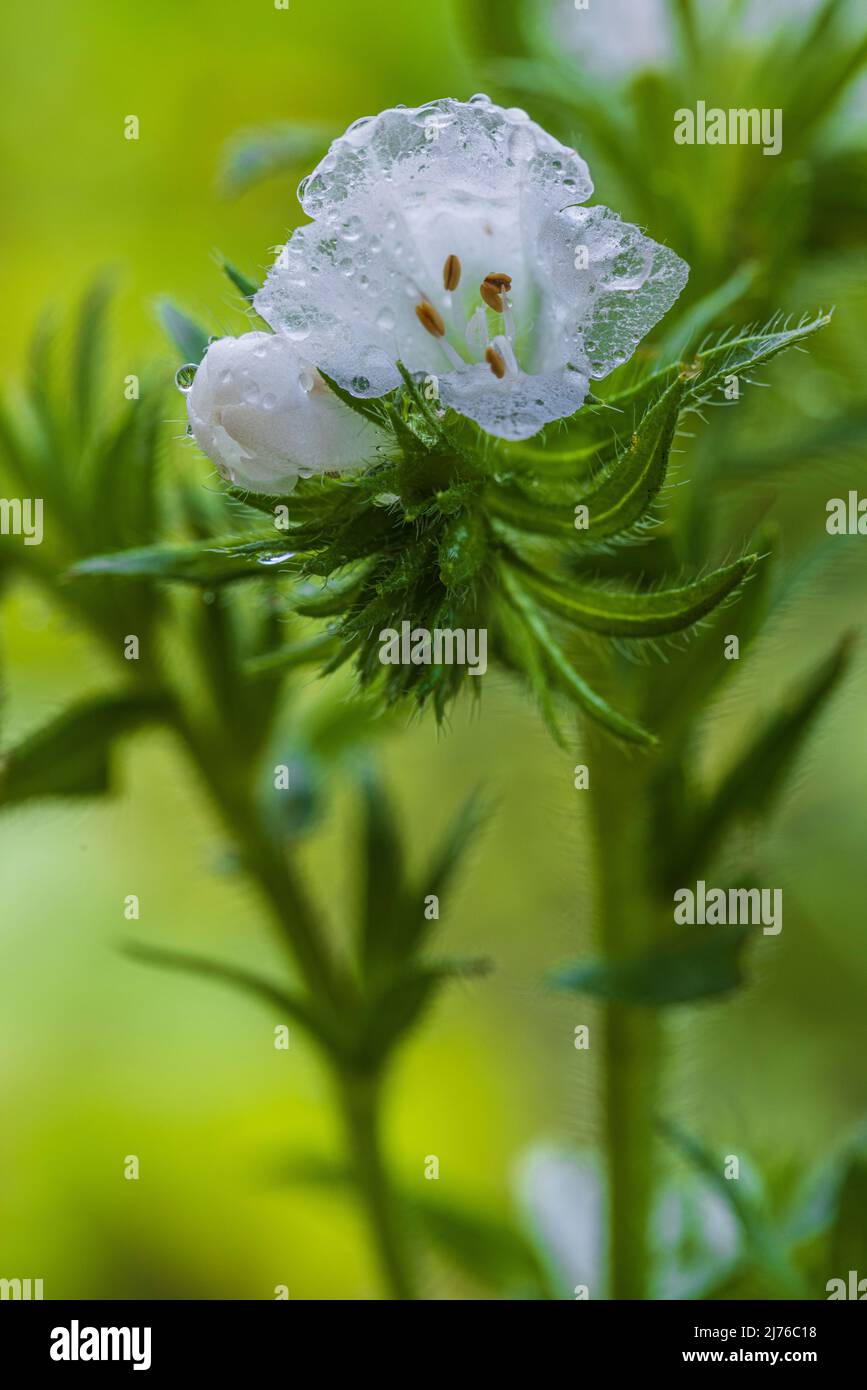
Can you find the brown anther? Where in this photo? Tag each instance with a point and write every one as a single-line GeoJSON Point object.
{"type": "Point", "coordinates": [451, 273]}
{"type": "Point", "coordinates": [492, 297]}
{"type": "Point", "coordinates": [500, 281]}
{"type": "Point", "coordinates": [496, 362]}
{"type": "Point", "coordinates": [431, 319]}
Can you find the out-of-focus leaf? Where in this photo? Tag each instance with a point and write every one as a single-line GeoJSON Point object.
{"type": "Point", "coordinates": [487, 1248]}
{"type": "Point", "coordinates": [766, 1248]}
{"type": "Point", "coordinates": [71, 755]}
{"type": "Point", "coordinates": [701, 317]}
{"type": "Point", "coordinates": [254, 155]}
{"type": "Point", "coordinates": [287, 1004]}
{"type": "Point", "coordinates": [88, 350]}
{"type": "Point", "coordinates": [848, 1246]}
{"type": "Point", "coordinates": [384, 907]}
{"type": "Point", "coordinates": [758, 774]}
{"type": "Point", "coordinates": [698, 964]}
{"type": "Point", "coordinates": [189, 337]}
{"type": "Point", "coordinates": [205, 563]}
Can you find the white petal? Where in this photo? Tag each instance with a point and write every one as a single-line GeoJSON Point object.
{"type": "Point", "coordinates": [597, 315]}
{"type": "Point", "coordinates": [393, 198]}
{"type": "Point", "coordinates": [264, 415]}
{"type": "Point", "coordinates": [516, 406]}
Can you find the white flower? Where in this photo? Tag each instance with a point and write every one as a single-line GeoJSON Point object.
{"type": "Point", "coordinates": [619, 37]}
{"type": "Point", "coordinates": [449, 238]}
{"type": "Point", "coordinates": [265, 417]}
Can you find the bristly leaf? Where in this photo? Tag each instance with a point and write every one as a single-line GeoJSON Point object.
{"type": "Point", "coordinates": [566, 676]}
{"type": "Point", "coordinates": [205, 563]}
{"type": "Point", "coordinates": [243, 284]}
{"type": "Point", "coordinates": [71, 755]}
{"type": "Point", "coordinates": [629, 613]}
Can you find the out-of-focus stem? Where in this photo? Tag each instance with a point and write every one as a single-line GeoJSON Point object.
{"type": "Point", "coordinates": [360, 1096]}
{"type": "Point", "coordinates": [633, 1036]}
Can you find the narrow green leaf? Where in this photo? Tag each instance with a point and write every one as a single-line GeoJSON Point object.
{"type": "Point", "coordinates": [287, 1004]}
{"type": "Point", "coordinates": [848, 1246]}
{"type": "Point", "coordinates": [306, 651]}
{"type": "Point", "coordinates": [758, 774]}
{"type": "Point", "coordinates": [189, 337]}
{"type": "Point", "coordinates": [89, 346]}
{"type": "Point", "coordinates": [205, 563]}
{"type": "Point", "coordinates": [71, 755]}
{"type": "Point", "coordinates": [243, 284]}
{"type": "Point", "coordinates": [383, 906]}
{"type": "Point", "coordinates": [630, 613]}
{"type": "Point", "coordinates": [698, 964]}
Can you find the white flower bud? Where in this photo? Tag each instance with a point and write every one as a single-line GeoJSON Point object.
{"type": "Point", "coordinates": [265, 416]}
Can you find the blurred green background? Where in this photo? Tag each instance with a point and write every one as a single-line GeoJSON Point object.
{"type": "Point", "coordinates": [100, 1058]}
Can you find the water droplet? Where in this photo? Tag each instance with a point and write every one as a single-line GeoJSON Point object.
{"type": "Point", "coordinates": [279, 559]}
{"type": "Point", "coordinates": [306, 379]}
{"type": "Point", "coordinates": [347, 265]}
{"type": "Point", "coordinates": [364, 281]}
{"type": "Point", "coordinates": [269, 400]}
{"type": "Point", "coordinates": [185, 376]}
{"type": "Point", "coordinates": [298, 334]}
{"type": "Point", "coordinates": [385, 320]}
{"type": "Point", "coordinates": [259, 350]}
{"type": "Point", "coordinates": [225, 378]}
{"type": "Point", "coordinates": [374, 245]}
{"type": "Point", "coordinates": [250, 393]}
{"type": "Point", "coordinates": [390, 221]}
{"type": "Point", "coordinates": [360, 383]}
{"type": "Point", "coordinates": [306, 473]}
{"type": "Point", "coordinates": [351, 229]}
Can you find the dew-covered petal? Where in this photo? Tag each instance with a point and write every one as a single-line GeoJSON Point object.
{"type": "Point", "coordinates": [264, 415]}
{"type": "Point", "coordinates": [516, 406]}
{"type": "Point", "coordinates": [394, 197]}
{"type": "Point", "coordinates": [603, 286]}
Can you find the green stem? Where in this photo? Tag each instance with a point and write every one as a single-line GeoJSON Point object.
{"type": "Point", "coordinates": [633, 1036]}
{"type": "Point", "coordinates": [360, 1096]}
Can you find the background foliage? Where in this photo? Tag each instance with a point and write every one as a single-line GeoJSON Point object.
{"type": "Point", "coordinates": [217, 1116]}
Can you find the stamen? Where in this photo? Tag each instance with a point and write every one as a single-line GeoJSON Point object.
{"type": "Point", "coordinates": [492, 297]}
{"type": "Point", "coordinates": [451, 273]}
{"type": "Point", "coordinates": [430, 319]}
{"type": "Point", "coordinates": [496, 362]}
{"type": "Point", "coordinates": [499, 280]}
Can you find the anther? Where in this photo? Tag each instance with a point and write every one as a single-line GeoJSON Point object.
{"type": "Point", "coordinates": [496, 362]}
{"type": "Point", "coordinates": [491, 296]}
{"type": "Point", "coordinates": [498, 280]}
{"type": "Point", "coordinates": [451, 273]}
{"type": "Point", "coordinates": [430, 319]}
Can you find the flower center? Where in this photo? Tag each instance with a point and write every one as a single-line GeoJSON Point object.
{"type": "Point", "coordinates": [494, 291]}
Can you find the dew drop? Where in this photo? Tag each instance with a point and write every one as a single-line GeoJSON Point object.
{"type": "Point", "coordinates": [306, 380]}
{"type": "Point", "coordinates": [297, 335]}
{"type": "Point", "coordinates": [360, 383]}
{"type": "Point", "coordinates": [250, 393]}
{"type": "Point", "coordinates": [385, 320]}
{"type": "Point", "coordinates": [185, 376]}
{"type": "Point", "coordinates": [269, 400]}
{"type": "Point", "coordinates": [351, 229]}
